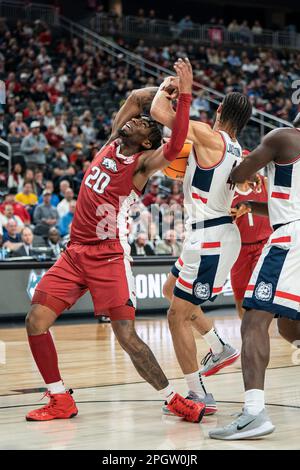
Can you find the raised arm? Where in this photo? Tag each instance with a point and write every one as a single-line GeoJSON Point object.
{"type": "Point", "coordinates": [259, 158]}
{"type": "Point", "coordinates": [138, 101]}
{"type": "Point", "coordinates": [163, 112]}
{"type": "Point", "coordinates": [161, 158]}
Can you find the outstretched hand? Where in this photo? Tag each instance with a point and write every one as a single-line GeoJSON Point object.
{"type": "Point", "coordinates": [184, 72]}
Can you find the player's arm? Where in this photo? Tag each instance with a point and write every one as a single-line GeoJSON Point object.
{"type": "Point", "coordinates": [266, 152]}
{"type": "Point", "coordinates": [161, 158]}
{"type": "Point", "coordinates": [163, 112]}
{"type": "Point", "coordinates": [254, 207]}
{"type": "Point", "coordinates": [137, 102]}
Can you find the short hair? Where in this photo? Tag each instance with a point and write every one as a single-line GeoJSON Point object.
{"type": "Point", "coordinates": [236, 110]}
{"type": "Point", "coordinates": [155, 134]}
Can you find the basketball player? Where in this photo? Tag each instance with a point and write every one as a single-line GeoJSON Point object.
{"type": "Point", "coordinates": [97, 257]}
{"type": "Point", "coordinates": [212, 241]}
{"type": "Point", "coordinates": [254, 231]}
{"type": "Point", "coordinates": [274, 289]}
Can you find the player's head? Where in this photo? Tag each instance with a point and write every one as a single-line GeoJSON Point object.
{"type": "Point", "coordinates": [296, 122]}
{"type": "Point", "coordinates": [236, 111]}
{"type": "Point", "coordinates": [143, 132]}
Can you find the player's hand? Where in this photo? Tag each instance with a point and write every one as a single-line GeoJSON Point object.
{"type": "Point", "coordinates": [255, 184]}
{"type": "Point", "coordinates": [170, 85]}
{"type": "Point", "coordinates": [184, 72]}
{"type": "Point", "coordinates": [240, 209]}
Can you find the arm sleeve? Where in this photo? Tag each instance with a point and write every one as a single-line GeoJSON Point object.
{"type": "Point", "coordinates": [180, 127]}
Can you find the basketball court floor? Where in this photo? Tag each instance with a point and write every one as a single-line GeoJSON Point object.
{"type": "Point", "coordinates": [117, 410]}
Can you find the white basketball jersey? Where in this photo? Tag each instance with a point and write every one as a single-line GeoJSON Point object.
{"type": "Point", "coordinates": [284, 191]}
{"type": "Point", "coordinates": [208, 192]}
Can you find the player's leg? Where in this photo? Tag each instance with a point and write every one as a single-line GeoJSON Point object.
{"type": "Point", "coordinates": [200, 321]}
{"type": "Point", "coordinates": [289, 330]}
{"type": "Point", "coordinates": [147, 366]}
{"type": "Point", "coordinates": [56, 291]}
{"type": "Point", "coordinates": [239, 307]}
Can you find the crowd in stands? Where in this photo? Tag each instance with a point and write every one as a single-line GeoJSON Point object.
{"type": "Point", "coordinates": [61, 99]}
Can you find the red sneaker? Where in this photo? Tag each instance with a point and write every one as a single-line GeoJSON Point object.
{"type": "Point", "coordinates": [187, 409]}
{"type": "Point", "coordinates": [61, 406]}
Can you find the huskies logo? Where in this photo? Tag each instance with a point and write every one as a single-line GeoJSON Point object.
{"type": "Point", "coordinates": [33, 281]}
{"type": "Point", "coordinates": [264, 291]}
{"type": "Point", "coordinates": [202, 291]}
{"type": "Point", "coordinates": [110, 164]}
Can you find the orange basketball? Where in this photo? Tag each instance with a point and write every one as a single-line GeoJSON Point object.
{"type": "Point", "coordinates": [176, 169]}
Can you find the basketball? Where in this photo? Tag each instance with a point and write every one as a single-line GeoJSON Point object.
{"type": "Point", "coordinates": [176, 169]}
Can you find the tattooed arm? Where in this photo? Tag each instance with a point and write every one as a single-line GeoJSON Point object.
{"type": "Point", "coordinates": [138, 101]}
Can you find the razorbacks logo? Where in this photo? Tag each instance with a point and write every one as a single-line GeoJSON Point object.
{"type": "Point", "coordinates": [202, 291]}
{"type": "Point", "coordinates": [264, 291]}
{"type": "Point", "coordinates": [110, 164]}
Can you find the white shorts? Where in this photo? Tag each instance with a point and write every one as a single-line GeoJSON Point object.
{"type": "Point", "coordinates": [207, 257]}
{"type": "Point", "coordinates": [274, 285]}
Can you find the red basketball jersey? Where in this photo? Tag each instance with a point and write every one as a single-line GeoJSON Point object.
{"type": "Point", "coordinates": [106, 193]}
{"type": "Point", "coordinates": [253, 228]}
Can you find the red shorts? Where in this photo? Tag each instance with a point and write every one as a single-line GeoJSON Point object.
{"type": "Point", "coordinates": [103, 269]}
{"type": "Point", "coordinates": [244, 266]}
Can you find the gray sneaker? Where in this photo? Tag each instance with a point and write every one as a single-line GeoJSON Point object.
{"type": "Point", "coordinates": [246, 426]}
{"type": "Point", "coordinates": [212, 363]}
{"type": "Point", "coordinates": [210, 404]}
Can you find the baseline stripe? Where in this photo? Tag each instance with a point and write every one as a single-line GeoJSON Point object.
{"type": "Point", "coordinates": [184, 283]}
{"type": "Point", "coordinates": [197, 196]}
{"type": "Point", "coordinates": [250, 287]}
{"type": "Point", "coordinates": [217, 290]}
{"type": "Point", "coordinates": [287, 295]}
{"type": "Point", "coordinates": [281, 240]}
{"type": "Point", "coordinates": [211, 245]}
{"type": "Point", "coordinates": [277, 195]}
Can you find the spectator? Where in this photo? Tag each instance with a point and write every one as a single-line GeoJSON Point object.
{"type": "Point", "coordinates": [170, 245]}
{"type": "Point", "coordinates": [39, 182]}
{"type": "Point", "coordinates": [11, 236]}
{"type": "Point", "coordinates": [151, 196]}
{"type": "Point", "coordinates": [34, 145]}
{"type": "Point", "coordinates": [15, 179]}
{"type": "Point", "coordinates": [18, 128]}
{"type": "Point", "coordinates": [256, 28]}
{"type": "Point", "coordinates": [18, 209]}
{"type": "Point", "coordinates": [185, 24]}
{"type": "Point", "coordinates": [141, 246]}
{"type": "Point", "coordinates": [29, 242]}
{"type": "Point", "coordinates": [49, 187]}
{"type": "Point", "coordinates": [9, 216]}
{"type": "Point", "coordinates": [45, 216]}
{"type": "Point", "coordinates": [3, 128]}
{"type": "Point", "coordinates": [53, 241]}
{"type": "Point", "coordinates": [64, 205]}
{"type": "Point", "coordinates": [66, 220]}
{"type": "Point", "coordinates": [60, 128]}
{"type": "Point", "coordinates": [27, 197]}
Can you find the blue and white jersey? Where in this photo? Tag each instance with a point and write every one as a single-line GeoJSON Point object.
{"type": "Point", "coordinates": [284, 191]}
{"type": "Point", "coordinates": [208, 192]}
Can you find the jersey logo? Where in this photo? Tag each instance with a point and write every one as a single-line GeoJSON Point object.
{"type": "Point", "coordinates": [202, 291]}
{"type": "Point", "coordinates": [110, 164]}
{"type": "Point", "coordinates": [264, 291]}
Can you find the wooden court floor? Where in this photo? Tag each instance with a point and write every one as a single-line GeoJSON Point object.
{"type": "Point", "coordinates": [117, 410]}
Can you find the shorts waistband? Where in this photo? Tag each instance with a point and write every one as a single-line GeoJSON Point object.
{"type": "Point", "coordinates": [212, 222]}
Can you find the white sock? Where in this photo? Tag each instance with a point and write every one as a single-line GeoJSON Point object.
{"type": "Point", "coordinates": [195, 384]}
{"type": "Point", "coordinates": [56, 387]}
{"type": "Point", "coordinates": [254, 401]}
{"type": "Point", "coordinates": [214, 341]}
{"type": "Point", "coordinates": [167, 393]}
